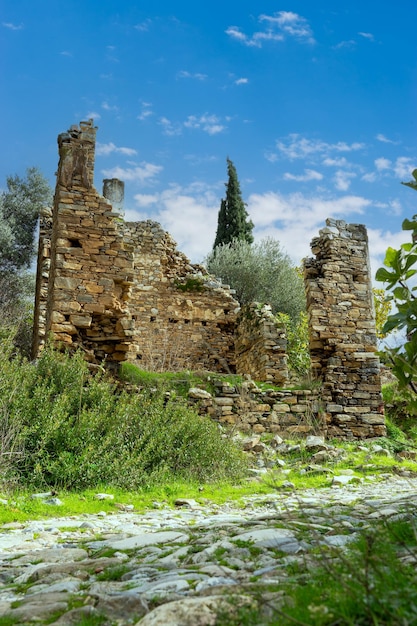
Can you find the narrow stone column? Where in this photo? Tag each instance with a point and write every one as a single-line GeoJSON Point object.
{"type": "Point", "coordinates": [342, 330]}
{"type": "Point", "coordinates": [114, 190]}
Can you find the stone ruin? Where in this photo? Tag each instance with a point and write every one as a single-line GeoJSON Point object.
{"type": "Point", "coordinates": [121, 291]}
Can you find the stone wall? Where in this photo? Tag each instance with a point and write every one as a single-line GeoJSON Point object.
{"type": "Point", "coordinates": [342, 330]}
{"type": "Point", "coordinates": [182, 317]}
{"type": "Point", "coordinates": [122, 291]}
{"type": "Point", "coordinates": [261, 345]}
{"type": "Point", "coordinates": [289, 413]}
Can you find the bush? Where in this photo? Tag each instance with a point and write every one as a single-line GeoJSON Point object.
{"type": "Point", "coordinates": [79, 431]}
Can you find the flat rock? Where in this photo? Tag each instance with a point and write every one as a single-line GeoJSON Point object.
{"type": "Point", "coordinates": [147, 539]}
{"type": "Point", "coordinates": [193, 611]}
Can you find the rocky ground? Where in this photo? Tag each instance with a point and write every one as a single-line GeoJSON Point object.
{"type": "Point", "coordinates": [184, 566]}
{"type": "Point", "coordinates": [177, 566]}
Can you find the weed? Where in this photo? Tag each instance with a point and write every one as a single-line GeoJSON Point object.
{"type": "Point", "coordinates": [8, 620]}
{"type": "Point", "coordinates": [113, 573]}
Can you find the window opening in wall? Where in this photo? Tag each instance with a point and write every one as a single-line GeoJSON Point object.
{"type": "Point", "coordinates": [204, 323]}
{"type": "Point", "coordinates": [75, 243]}
{"type": "Point", "coordinates": [172, 321]}
{"type": "Point", "coordinates": [152, 318]}
{"type": "Point", "coordinates": [187, 321]}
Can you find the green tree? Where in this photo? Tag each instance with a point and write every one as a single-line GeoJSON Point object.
{"type": "Point", "coordinates": [232, 221]}
{"type": "Point", "coordinates": [20, 204]}
{"type": "Point", "coordinates": [19, 212]}
{"type": "Point", "coordinates": [399, 276]}
{"type": "Point", "coordinates": [382, 305]}
{"type": "Point", "coordinates": [260, 272]}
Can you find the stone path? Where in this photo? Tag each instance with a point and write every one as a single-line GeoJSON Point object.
{"type": "Point", "coordinates": [177, 567]}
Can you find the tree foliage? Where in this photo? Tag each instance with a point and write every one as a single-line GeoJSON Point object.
{"type": "Point", "coordinates": [383, 305]}
{"type": "Point", "coordinates": [399, 275]}
{"type": "Point", "coordinates": [260, 272]}
{"type": "Point", "coordinates": [20, 204]}
{"type": "Point", "coordinates": [19, 212]}
{"type": "Point", "coordinates": [232, 221]}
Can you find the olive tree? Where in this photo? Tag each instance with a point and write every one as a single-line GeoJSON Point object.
{"type": "Point", "coordinates": [261, 272]}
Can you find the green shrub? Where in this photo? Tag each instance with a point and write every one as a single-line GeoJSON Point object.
{"type": "Point", "coordinates": [79, 431]}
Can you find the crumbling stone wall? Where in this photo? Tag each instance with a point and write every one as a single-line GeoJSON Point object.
{"type": "Point", "coordinates": [90, 271]}
{"type": "Point", "coordinates": [342, 330]}
{"type": "Point", "coordinates": [183, 318]}
{"type": "Point", "coordinates": [122, 291]}
{"type": "Point", "coordinates": [287, 412]}
{"type": "Point", "coordinates": [261, 345]}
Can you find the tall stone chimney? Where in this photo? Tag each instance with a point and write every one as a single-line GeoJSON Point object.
{"type": "Point", "coordinates": [114, 190]}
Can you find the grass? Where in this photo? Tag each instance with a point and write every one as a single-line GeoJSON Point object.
{"type": "Point", "coordinates": [177, 382]}
{"type": "Point", "coordinates": [366, 584]}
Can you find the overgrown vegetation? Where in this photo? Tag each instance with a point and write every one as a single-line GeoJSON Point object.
{"type": "Point", "coordinates": [63, 428]}
{"type": "Point", "coordinates": [399, 276]}
{"type": "Point", "coordinates": [371, 582]}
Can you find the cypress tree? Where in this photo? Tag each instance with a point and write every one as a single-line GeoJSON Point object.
{"type": "Point", "coordinates": [232, 221]}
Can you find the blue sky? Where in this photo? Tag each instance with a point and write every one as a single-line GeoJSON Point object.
{"type": "Point", "coordinates": [315, 103]}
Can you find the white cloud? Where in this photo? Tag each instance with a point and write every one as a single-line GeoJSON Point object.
{"type": "Point", "coordinates": [370, 177]}
{"type": "Point", "coordinates": [367, 36]}
{"type": "Point", "coordinates": [143, 26]}
{"type": "Point", "coordinates": [66, 53]}
{"type": "Point", "coordinates": [297, 147]}
{"type": "Point", "coordinates": [104, 149]}
{"type": "Point", "coordinates": [210, 124]}
{"type": "Point", "coordinates": [170, 128]}
{"type": "Point", "coordinates": [290, 23]}
{"type": "Point", "coordinates": [303, 178]}
{"type": "Point", "coordinates": [382, 164]}
{"type": "Point", "coordinates": [196, 75]}
{"type": "Point", "coordinates": [142, 173]}
{"type": "Point", "coordinates": [384, 139]}
{"type": "Point", "coordinates": [241, 81]}
{"type": "Point", "coordinates": [404, 166]}
{"type": "Point", "coordinates": [336, 162]}
{"type": "Point", "coordinates": [182, 211]}
{"type": "Point", "coordinates": [342, 179]}
{"type": "Point", "coordinates": [93, 115]}
{"type": "Point", "coordinates": [12, 26]}
{"type": "Point", "coordinates": [276, 28]}
{"type": "Point", "coordinates": [295, 219]}
{"type": "Point", "coordinates": [350, 43]}
{"type": "Point", "coordinates": [236, 33]}
{"type": "Point", "coordinates": [146, 199]}
{"type": "Point", "coordinates": [108, 107]}
{"type": "Point", "coordinates": [146, 111]}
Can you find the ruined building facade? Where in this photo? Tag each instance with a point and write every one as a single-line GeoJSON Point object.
{"type": "Point", "coordinates": [343, 339]}
{"type": "Point", "coordinates": [122, 291]}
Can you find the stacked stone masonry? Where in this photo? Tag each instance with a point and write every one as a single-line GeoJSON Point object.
{"type": "Point", "coordinates": [122, 291]}
{"type": "Point", "coordinates": [291, 413]}
{"type": "Point", "coordinates": [343, 339]}
{"type": "Point", "coordinates": [261, 345]}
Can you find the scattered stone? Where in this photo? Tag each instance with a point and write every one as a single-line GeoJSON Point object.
{"type": "Point", "coordinates": [192, 559]}
{"type": "Point", "coordinates": [199, 394]}
{"type": "Point", "coordinates": [314, 442]}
